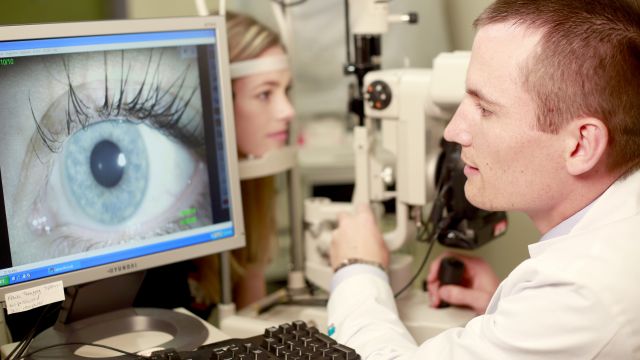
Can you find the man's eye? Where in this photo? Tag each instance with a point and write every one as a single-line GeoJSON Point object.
{"type": "Point", "coordinates": [112, 175]}
{"type": "Point", "coordinates": [483, 111]}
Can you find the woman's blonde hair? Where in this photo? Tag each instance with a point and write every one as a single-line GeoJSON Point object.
{"type": "Point", "coordinates": [247, 39]}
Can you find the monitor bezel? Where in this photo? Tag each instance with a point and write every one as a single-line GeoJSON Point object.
{"type": "Point", "coordinates": [112, 27]}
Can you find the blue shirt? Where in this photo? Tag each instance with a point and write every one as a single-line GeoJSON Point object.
{"type": "Point", "coordinates": [565, 227]}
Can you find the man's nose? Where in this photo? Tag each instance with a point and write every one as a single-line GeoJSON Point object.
{"type": "Point", "coordinates": [456, 131]}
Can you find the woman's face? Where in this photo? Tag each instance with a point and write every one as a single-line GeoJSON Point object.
{"type": "Point", "coordinates": [262, 109]}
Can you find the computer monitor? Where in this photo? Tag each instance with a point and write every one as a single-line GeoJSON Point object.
{"type": "Point", "coordinates": [117, 149]}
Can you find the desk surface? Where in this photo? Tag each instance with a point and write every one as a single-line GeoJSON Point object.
{"type": "Point", "coordinates": [140, 342]}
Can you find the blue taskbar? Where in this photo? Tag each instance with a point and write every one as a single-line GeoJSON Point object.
{"type": "Point", "coordinates": [120, 255]}
{"type": "Point", "coordinates": [17, 48]}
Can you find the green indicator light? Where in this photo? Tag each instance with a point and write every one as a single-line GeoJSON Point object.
{"type": "Point", "coordinates": [188, 221]}
{"type": "Point", "coordinates": [188, 212]}
{"type": "Point", "coordinates": [4, 281]}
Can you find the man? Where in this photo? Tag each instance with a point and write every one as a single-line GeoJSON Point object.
{"type": "Point", "coordinates": [550, 125]}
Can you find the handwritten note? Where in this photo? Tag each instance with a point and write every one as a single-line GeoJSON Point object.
{"type": "Point", "coordinates": [31, 298]}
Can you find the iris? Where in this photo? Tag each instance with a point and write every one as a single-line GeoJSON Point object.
{"type": "Point", "coordinates": [106, 168]}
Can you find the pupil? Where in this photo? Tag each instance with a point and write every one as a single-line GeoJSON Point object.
{"type": "Point", "coordinates": [107, 165]}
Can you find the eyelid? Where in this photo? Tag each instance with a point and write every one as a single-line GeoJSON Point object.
{"type": "Point", "coordinates": [478, 96]}
{"type": "Point", "coordinates": [264, 95]}
{"type": "Point", "coordinates": [264, 87]}
{"type": "Point", "coordinates": [484, 111]}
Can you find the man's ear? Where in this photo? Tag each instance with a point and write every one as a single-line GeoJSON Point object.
{"type": "Point", "coordinates": [586, 140]}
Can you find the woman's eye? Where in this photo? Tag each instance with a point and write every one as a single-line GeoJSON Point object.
{"type": "Point", "coordinates": [264, 95]}
{"type": "Point", "coordinates": [112, 174]}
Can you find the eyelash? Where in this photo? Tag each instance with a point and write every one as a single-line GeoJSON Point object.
{"type": "Point", "coordinates": [165, 117]}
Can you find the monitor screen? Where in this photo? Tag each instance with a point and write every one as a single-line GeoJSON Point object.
{"type": "Point", "coordinates": [117, 149]}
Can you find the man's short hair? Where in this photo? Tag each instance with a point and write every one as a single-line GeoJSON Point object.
{"type": "Point", "coordinates": [586, 64]}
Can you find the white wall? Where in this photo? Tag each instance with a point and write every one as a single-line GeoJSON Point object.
{"type": "Point", "coordinates": [461, 14]}
{"type": "Point", "coordinates": [160, 8]}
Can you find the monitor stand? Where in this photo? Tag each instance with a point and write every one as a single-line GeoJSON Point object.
{"type": "Point", "coordinates": [102, 309]}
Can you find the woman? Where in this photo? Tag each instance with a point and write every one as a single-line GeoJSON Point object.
{"type": "Point", "coordinates": [260, 83]}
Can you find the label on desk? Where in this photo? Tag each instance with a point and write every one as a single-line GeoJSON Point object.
{"type": "Point", "coordinates": [31, 298]}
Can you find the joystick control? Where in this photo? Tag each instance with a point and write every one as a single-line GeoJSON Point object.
{"type": "Point", "coordinates": [450, 273]}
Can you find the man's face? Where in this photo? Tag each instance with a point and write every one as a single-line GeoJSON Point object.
{"type": "Point", "coordinates": [509, 164]}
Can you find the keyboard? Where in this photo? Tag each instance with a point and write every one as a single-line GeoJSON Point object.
{"type": "Point", "coordinates": [288, 341]}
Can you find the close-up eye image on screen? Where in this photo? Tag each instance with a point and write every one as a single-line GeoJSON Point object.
{"type": "Point", "coordinates": [98, 131]}
{"type": "Point", "coordinates": [106, 148]}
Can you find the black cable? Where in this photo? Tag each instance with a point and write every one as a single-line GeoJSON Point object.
{"type": "Point", "coordinates": [26, 341]}
{"type": "Point", "coordinates": [286, 4]}
{"type": "Point", "coordinates": [424, 261]}
{"type": "Point", "coordinates": [135, 356]}
{"type": "Point", "coordinates": [437, 223]}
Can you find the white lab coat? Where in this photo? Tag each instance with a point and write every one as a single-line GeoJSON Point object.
{"type": "Point", "coordinates": [577, 297]}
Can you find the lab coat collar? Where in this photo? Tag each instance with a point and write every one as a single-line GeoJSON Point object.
{"type": "Point", "coordinates": [621, 200]}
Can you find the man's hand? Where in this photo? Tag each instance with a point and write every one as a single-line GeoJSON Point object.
{"type": "Point", "coordinates": [358, 236]}
{"type": "Point", "coordinates": [479, 282]}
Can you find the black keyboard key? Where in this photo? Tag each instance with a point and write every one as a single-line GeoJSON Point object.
{"type": "Point", "coordinates": [272, 331]}
{"type": "Point", "coordinates": [299, 325]}
{"type": "Point", "coordinates": [167, 354]}
{"type": "Point", "coordinates": [277, 349]}
{"type": "Point", "coordinates": [268, 343]}
{"type": "Point", "coordinates": [284, 338]}
{"type": "Point", "coordinates": [313, 346]}
{"type": "Point", "coordinates": [298, 334]}
{"type": "Point", "coordinates": [286, 328]}
{"type": "Point", "coordinates": [305, 341]}
{"type": "Point", "coordinates": [325, 339]}
{"type": "Point", "coordinates": [326, 353]}
{"type": "Point", "coordinates": [247, 347]}
{"type": "Point", "coordinates": [296, 351]}
{"type": "Point", "coordinates": [349, 353]}
{"type": "Point", "coordinates": [217, 355]}
{"type": "Point", "coordinates": [259, 355]}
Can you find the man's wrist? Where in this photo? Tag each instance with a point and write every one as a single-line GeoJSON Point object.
{"type": "Point", "coordinates": [352, 261]}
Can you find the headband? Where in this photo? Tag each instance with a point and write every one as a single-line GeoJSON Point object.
{"type": "Point", "coordinates": [256, 66]}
